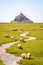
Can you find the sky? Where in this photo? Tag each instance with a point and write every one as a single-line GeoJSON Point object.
{"type": "Point", "coordinates": [33, 9]}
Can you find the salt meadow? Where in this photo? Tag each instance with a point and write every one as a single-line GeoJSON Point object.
{"type": "Point", "coordinates": [34, 46]}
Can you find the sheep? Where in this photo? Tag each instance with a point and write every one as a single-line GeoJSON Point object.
{"type": "Point", "coordinates": [22, 40]}
{"type": "Point", "coordinates": [41, 28]}
{"type": "Point", "coordinates": [14, 29]}
{"type": "Point", "coordinates": [6, 35]}
{"type": "Point", "coordinates": [15, 39]}
{"type": "Point", "coordinates": [12, 37]}
{"type": "Point", "coordinates": [19, 46]}
{"type": "Point", "coordinates": [23, 56]}
{"type": "Point", "coordinates": [28, 55]}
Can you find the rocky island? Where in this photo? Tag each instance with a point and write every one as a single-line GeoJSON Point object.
{"type": "Point", "coordinates": [21, 18]}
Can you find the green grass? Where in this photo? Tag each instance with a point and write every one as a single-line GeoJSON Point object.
{"type": "Point", "coordinates": [36, 61]}
{"type": "Point", "coordinates": [35, 47]}
{"type": "Point", "coordinates": [7, 29]}
{"type": "Point", "coordinates": [1, 63]}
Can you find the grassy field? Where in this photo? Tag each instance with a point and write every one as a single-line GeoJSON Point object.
{"type": "Point", "coordinates": [35, 30]}
{"type": "Point", "coordinates": [1, 63]}
{"type": "Point", "coordinates": [7, 29]}
{"type": "Point", "coordinates": [35, 47]}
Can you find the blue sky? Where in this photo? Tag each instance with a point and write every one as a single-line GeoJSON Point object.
{"type": "Point", "coordinates": [33, 9]}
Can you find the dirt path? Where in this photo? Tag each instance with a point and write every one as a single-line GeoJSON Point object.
{"type": "Point", "coordinates": [10, 59]}
{"type": "Point", "coordinates": [7, 58]}
{"type": "Point", "coordinates": [28, 37]}
{"type": "Point", "coordinates": [24, 34]}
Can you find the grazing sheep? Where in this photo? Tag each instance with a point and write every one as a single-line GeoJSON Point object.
{"type": "Point", "coordinates": [14, 29]}
{"type": "Point", "coordinates": [6, 36]}
{"type": "Point", "coordinates": [23, 56]}
{"type": "Point", "coordinates": [41, 28]}
{"type": "Point", "coordinates": [28, 55]}
{"type": "Point", "coordinates": [19, 46]}
{"type": "Point", "coordinates": [15, 39]}
{"type": "Point", "coordinates": [22, 40]}
{"type": "Point", "coordinates": [12, 37]}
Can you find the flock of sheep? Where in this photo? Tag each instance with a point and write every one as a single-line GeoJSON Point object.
{"type": "Point", "coordinates": [24, 56]}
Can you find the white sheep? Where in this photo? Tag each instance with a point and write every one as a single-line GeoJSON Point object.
{"type": "Point", "coordinates": [6, 35]}
{"type": "Point", "coordinates": [12, 37]}
{"type": "Point", "coordinates": [41, 28]}
{"type": "Point", "coordinates": [28, 55]}
{"type": "Point", "coordinates": [19, 46]}
{"type": "Point", "coordinates": [14, 29]}
{"type": "Point", "coordinates": [23, 56]}
{"type": "Point", "coordinates": [22, 40]}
